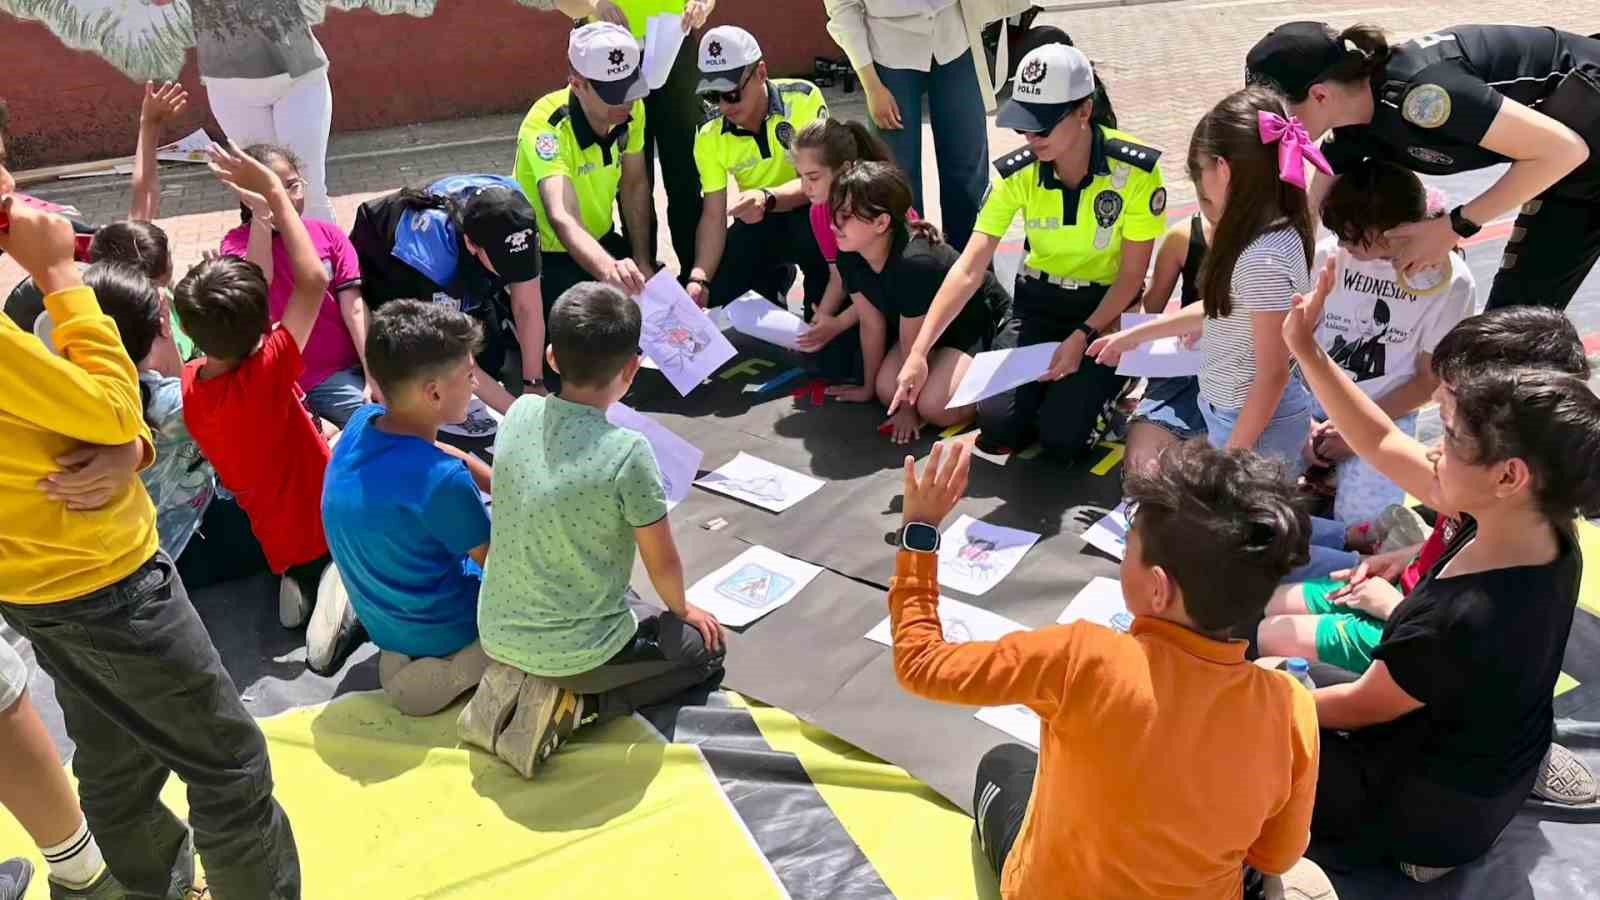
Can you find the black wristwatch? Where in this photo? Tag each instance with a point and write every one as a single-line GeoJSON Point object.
{"type": "Point", "coordinates": [1089, 331]}
{"type": "Point", "coordinates": [771, 201]}
{"type": "Point", "coordinates": [1462, 225]}
{"type": "Point", "coordinates": [532, 383]}
{"type": "Point", "coordinates": [919, 537]}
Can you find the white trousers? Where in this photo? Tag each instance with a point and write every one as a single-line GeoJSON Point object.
{"type": "Point", "coordinates": [296, 113]}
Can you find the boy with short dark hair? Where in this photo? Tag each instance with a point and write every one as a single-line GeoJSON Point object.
{"type": "Point", "coordinates": [571, 642]}
{"type": "Point", "coordinates": [404, 516]}
{"type": "Point", "coordinates": [242, 405]}
{"type": "Point", "coordinates": [1168, 764]}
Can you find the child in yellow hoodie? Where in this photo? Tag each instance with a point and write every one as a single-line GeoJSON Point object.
{"type": "Point", "coordinates": [140, 685]}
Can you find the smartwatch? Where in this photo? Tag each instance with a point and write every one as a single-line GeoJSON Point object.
{"type": "Point", "coordinates": [1462, 225]}
{"type": "Point", "coordinates": [919, 537]}
{"type": "Point", "coordinates": [1089, 331]}
{"type": "Point", "coordinates": [532, 382]}
{"type": "Point", "coordinates": [771, 200]}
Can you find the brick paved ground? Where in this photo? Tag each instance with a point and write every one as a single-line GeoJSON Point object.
{"type": "Point", "coordinates": [1165, 63]}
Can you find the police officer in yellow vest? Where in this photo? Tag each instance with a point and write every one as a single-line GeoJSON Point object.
{"type": "Point", "coordinates": [579, 150]}
{"type": "Point", "coordinates": [749, 139]}
{"type": "Point", "coordinates": [1093, 205]}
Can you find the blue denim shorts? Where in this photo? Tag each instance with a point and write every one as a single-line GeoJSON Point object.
{"type": "Point", "coordinates": [1174, 405]}
{"type": "Point", "coordinates": [13, 675]}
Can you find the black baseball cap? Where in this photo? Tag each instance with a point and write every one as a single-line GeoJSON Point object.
{"type": "Point", "coordinates": [1294, 56]}
{"type": "Point", "coordinates": [501, 221]}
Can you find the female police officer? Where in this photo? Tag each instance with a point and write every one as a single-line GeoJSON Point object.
{"type": "Point", "coordinates": [1460, 99]}
{"type": "Point", "coordinates": [1093, 205]}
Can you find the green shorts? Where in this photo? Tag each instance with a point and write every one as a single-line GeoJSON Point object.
{"type": "Point", "coordinates": [1345, 638]}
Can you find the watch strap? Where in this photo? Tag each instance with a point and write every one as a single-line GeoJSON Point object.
{"type": "Point", "coordinates": [1461, 225]}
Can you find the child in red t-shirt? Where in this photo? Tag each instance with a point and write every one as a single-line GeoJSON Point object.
{"type": "Point", "coordinates": [241, 402]}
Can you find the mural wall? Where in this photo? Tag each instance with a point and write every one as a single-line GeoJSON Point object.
{"type": "Point", "coordinates": [71, 70]}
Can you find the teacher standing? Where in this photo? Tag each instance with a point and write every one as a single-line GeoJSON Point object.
{"type": "Point", "coordinates": [1463, 98]}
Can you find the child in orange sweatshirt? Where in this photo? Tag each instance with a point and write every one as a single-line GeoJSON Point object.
{"type": "Point", "coordinates": [1168, 765]}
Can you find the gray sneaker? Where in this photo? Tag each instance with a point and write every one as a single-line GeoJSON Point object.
{"type": "Point", "coordinates": [1305, 880]}
{"type": "Point", "coordinates": [1425, 874]}
{"type": "Point", "coordinates": [294, 607]}
{"type": "Point", "coordinates": [491, 706]}
{"type": "Point", "coordinates": [106, 887]}
{"type": "Point", "coordinates": [1564, 779]}
{"type": "Point", "coordinates": [15, 875]}
{"type": "Point", "coordinates": [546, 716]}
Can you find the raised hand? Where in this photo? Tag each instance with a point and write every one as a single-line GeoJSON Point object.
{"type": "Point", "coordinates": [162, 104]}
{"type": "Point", "coordinates": [239, 171]}
{"type": "Point", "coordinates": [1300, 326]}
{"type": "Point", "coordinates": [930, 497]}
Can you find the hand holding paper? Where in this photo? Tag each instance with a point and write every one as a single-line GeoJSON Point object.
{"type": "Point", "coordinates": [997, 371]}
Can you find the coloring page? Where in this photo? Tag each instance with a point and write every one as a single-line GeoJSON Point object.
{"type": "Point", "coordinates": [756, 481]}
{"type": "Point", "coordinates": [755, 583]}
{"type": "Point", "coordinates": [756, 316]}
{"type": "Point", "coordinates": [997, 371]}
{"type": "Point", "coordinates": [678, 460]}
{"type": "Point", "coordinates": [1018, 721]}
{"type": "Point", "coordinates": [678, 336]}
{"type": "Point", "coordinates": [1110, 534]}
{"type": "Point", "coordinates": [1163, 358]}
{"type": "Point", "coordinates": [962, 622]}
{"type": "Point", "coordinates": [1100, 602]}
{"type": "Point", "coordinates": [481, 422]}
{"type": "Point", "coordinates": [974, 555]}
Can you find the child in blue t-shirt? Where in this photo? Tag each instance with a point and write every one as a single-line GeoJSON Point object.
{"type": "Point", "coordinates": [404, 515]}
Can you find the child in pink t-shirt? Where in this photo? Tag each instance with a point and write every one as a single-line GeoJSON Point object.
{"type": "Point", "coordinates": [333, 379]}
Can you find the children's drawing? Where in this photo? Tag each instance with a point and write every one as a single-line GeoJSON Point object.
{"type": "Point", "coordinates": [956, 631]}
{"type": "Point", "coordinates": [974, 556]}
{"type": "Point", "coordinates": [754, 583]}
{"type": "Point", "coordinates": [678, 335]}
{"type": "Point", "coordinates": [681, 341]}
{"type": "Point", "coordinates": [761, 488]}
{"type": "Point", "coordinates": [755, 586]}
{"type": "Point", "coordinates": [1110, 534]}
{"type": "Point", "coordinates": [479, 423]}
{"type": "Point", "coordinates": [1122, 621]}
{"type": "Point", "coordinates": [756, 481]}
{"type": "Point", "coordinates": [677, 460]}
{"type": "Point", "coordinates": [961, 623]}
{"type": "Point", "coordinates": [1100, 602]}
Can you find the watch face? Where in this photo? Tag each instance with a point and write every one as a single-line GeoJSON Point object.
{"type": "Point", "coordinates": [920, 537]}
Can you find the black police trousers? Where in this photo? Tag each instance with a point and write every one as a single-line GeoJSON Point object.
{"type": "Point", "coordinates": [1062, 415]}
{"type": "Point", "coordinates": [760, 258]}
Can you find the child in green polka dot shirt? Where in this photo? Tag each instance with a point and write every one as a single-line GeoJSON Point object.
{"type": "Point", "coordinates": [574, 496]}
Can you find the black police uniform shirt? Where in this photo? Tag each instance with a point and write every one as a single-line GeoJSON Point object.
{"type": "Point", "coordinates": [1483, 652]}
{"type": "Point", "coordinates": [911, 278]}
{"type": "Point", "coordinates": [1439, 93]}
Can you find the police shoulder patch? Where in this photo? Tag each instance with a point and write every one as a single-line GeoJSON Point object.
{"type": "Point", "coordinates": [547, 146]}
{"type": "Point", "coordinates": [1426, 106]}
{"type": "Point", "coordinates": [1014, 162]}
{"type": "Point", "coordinates": [1140, 156]}
{"type": "Point", "coordinates": [1158, 201]}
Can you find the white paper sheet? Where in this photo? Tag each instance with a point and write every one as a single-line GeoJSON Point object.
{"type": "Point", "coordinates": [189, 148]}
{"type": "Point", "coordinates": [962, 622]}
{"type": "Point", "coordinates": [678, 460]}
{"type": "Point", "coordinates": [685, 344]}
{"type": "Point", "coordinates": [1100, 602]}
{"type": "Point", "coordinates": [754, 480]}
{"type": "Point", "coordinates": [1020, 722]}
{"type": "Point", "coordinates": [974, 555]}
{"type": "Point", "coordinates": [1164, 358]}
{"type": "Point", "coordinates": [757, 317]}
{"type": "Point", "coordinates": [1110, 534]}
{"type": "Point", "coordinates": [755, 583]}
{"type": "Point", "coordinates": [663, 35]}
{"type": "Point", "coordinates": [481, 422]}
{"type": "Point", "coordinates": [997, 371]}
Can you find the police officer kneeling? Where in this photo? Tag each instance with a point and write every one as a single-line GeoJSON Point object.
{"type": "Point", "coordinates": [578, 150]}
{"type": "Point", "coordinates": [749, 138]}
{"type": "Point", "coordinates": [1093, 204]}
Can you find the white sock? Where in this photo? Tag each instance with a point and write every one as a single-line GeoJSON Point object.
{"type": "Point", "coordinates": [75, 862]}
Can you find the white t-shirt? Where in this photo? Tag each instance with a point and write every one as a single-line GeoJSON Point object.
{"type": "Point", "coordinates": [1270, 271]}
{"type": "Point", "coordinates": [1375, 329]}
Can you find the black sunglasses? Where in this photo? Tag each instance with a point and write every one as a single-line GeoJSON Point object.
{"type": "Point", "coordinates": [729, 97]}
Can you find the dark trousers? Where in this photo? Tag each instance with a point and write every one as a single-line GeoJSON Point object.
{"type": "Point", "coordinates": [224, 549]}
{"type": "Point", "coordinates": [144, 695]}
{"type": "Point", "coordinates": [671, 115]}
{"type": "Point", "coordinates": [1000, 800]}
{"type": "Point", "coordinates": [1365, 812]}
{"type": "Point", "coordinates": [1554, 243]}
{"type": "Point", "coordinates": [759, 257]}
{"type": "Point", "coordinates": [1062, 415]}
{"type": "Point", "coordinates": [559, 271]}
{"type": "Point", "coordinates": [666, 657]}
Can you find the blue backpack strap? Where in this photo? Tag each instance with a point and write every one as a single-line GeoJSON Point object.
{"type": "Point", "coordinates": [426, 241]}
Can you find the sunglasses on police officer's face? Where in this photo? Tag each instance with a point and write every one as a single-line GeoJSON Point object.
{"type": "Point", "coordinates": [729, 97]}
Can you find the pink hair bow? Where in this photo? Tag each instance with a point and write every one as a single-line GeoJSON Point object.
{"type": "Point", "coordinates": [1295, 147]}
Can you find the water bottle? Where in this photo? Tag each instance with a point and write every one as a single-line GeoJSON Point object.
{"type": "Point", "coordinates": [1300, 671]}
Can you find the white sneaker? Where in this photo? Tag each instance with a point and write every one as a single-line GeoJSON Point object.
{"type": "Point", "coordinates": [333, 632]}
{"type": "Point", "coordinates": [491, 706]}
{"type": "Point", "coordinates": [1305, 880]}
{"type": "Point", "coordinates": [1564, 779]}
{"type": "Point", "coordinates": [294, 607]}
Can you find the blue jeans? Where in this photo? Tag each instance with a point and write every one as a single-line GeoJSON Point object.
{"type": "Point", "coordinates": [338, 397]}
{"type": "Point", "coordinates": [1328, 554]}
{"type": "Point", "coordinates": [960, 138]}
{"type": "Point", "coordinates": [1284, 436]}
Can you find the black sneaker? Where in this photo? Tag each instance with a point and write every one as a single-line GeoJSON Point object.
{"type": "Point", "coordinates": [15, 875]}
{"type": "Point", "coordinates": [104, 887]}
{"type": "Point", "coordinates": [333, 632]}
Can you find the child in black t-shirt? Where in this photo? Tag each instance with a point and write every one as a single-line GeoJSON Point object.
{"type": "Point", "coordinates": [1428, 756]}
{"type": "Point", "coordinates": [892, 268]}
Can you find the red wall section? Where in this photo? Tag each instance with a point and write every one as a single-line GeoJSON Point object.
{"type": "Point", "coordinates": [472, 57]}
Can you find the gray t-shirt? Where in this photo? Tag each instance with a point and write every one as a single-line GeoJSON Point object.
{"type": "Point", "coordinates": [254, 39]}
{"type": "Point", "coordinates": [569, 490]}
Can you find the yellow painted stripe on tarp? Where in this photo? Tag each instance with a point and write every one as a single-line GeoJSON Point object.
{"type": "Point", "coordinates": [1565, 683]}
{"type": "Point", "coordinates": [386, 806]}
{"type": "Point", "coordinates": [920, 844]}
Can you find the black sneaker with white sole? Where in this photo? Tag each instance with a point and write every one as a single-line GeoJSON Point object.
{"type": "Point", "coordinates": [333, 632]}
